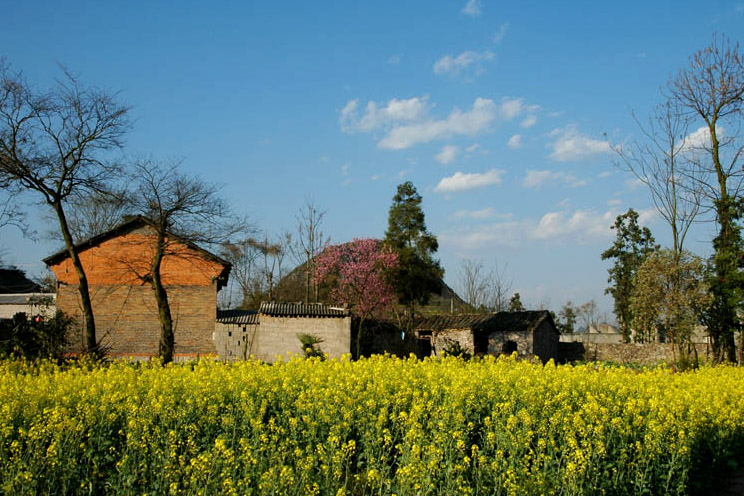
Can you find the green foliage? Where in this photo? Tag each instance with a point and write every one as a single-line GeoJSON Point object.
{"type": "Point", "coordinates": [515, 304]}
{"type": "Point", "coordinates": [417, 274]}
{"type": "Point", "coordinates": [632, 245]}
{"type": "Point", "coordinates": [726, 280]}
{"type": "Point", "coordinates": [311, 345]}
{"type": "Point", "coordinates": [567, 322]}
{"type": "Point", "coordinates": [34, 338]}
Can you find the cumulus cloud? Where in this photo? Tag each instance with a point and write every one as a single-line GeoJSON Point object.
{"type": "Point", "coordinates": [536, 178]}
{"type": "Point", "coordinates": [454, 66]}
{"type": "Point", "coordinates": [581, 226]}
{"type": "Point", "coordinates": [406, 122]}
{"type": "Point", "coordinates": [571, 145]}
{"type": "Point", "coordinates": [447, 155]}
{"type": "Point", "coordinates": [377, 116]}
{"type": "Point", "coordinates": [515, 142]}
{"type": "Point", "coordinates": [699, 140]}
{"type": "Point", "coordinates": [466, 181]}
{"type": "Point", "coordinates": [472, 8]}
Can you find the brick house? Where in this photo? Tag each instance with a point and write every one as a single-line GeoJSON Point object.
{"type": "Point", "coordinates": [117, 267]}
{"type": "Point", "coordinates": [272, 330]}
{"type": "Point", "coordinates": [529, 333]}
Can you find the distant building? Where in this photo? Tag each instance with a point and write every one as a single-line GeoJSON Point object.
{"type": "Point", "coordinates": [272, 330]}
{"type": "Point", "coordinates": [529, 333]}
{"type": "Point", "coordinates": [18, 294]}
{"type": "Point", "coordinates": [117, 265]}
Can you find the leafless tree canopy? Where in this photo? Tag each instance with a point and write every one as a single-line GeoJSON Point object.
{"type": "Point", "coordinates": [310, 242]}
{"type": "Point", "coordinates": [55, 144]}
{"type": "Point", "coordinates": [484, 289]}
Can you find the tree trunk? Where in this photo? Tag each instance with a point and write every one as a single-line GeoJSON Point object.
{"type": "Point", "coordinates": [167, 338]}
{"type": "Point", "coordinates": [91, 344]}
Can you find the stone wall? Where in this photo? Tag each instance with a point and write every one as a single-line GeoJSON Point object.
{"type": "Point", "coordinates": [440, 340]}
{"type": "Point", "coordinates": [127, 323]}
{"type": "Point", "coordinates": [499, 342]}
{"type": "Point", "coordinates": [277, 336]}
{"type": "Point", "coordinates": [235, 341]}
{"type": "Point", "coordinates": [640, 353]}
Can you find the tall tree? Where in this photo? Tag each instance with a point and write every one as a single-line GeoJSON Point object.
{"type": "Point", "coordinates": [181, 209]}
{"type": "Point", "coordinates": [357, 272]}
{"type": "Point", "coordinates": [55, 144]}
{"type": "Point", "coordinates": [632, 245]}
{"type": "Point", "coordinates": [568, 314]}
{"type": "Point", "coordinates": [417, 274]}
{"type": "Point", "coordinates": [710, 90]}
{"type": "Point", "coordinates": [515, 303]}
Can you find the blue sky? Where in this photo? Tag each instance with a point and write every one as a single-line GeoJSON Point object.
{"type": "Point", "coordinates": [495, 110]}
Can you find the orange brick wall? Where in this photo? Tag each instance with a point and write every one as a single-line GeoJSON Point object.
{"type": "Point", "coordinates": [125, 259]}
{"type": "Point", "coordinates": [124, 306]}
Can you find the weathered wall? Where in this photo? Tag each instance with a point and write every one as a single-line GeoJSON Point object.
{"type": "Point", "coordinates": [497, 340]}
{"type": "Point", "coordinates": [234, 341]}
{"type": "Point", "coordinates": [641, 353]}
{"type": "Point", "coordinates": [127, 321]}
{"type": "Point", "coordinates": [441, 339]}
{"type": "Point", "coordinates": [278, 335]}
{"type": "Point", "coordinates": [545, 342]}
{"type": "Point", "coordinates": [37, 304]}
{"type": "Point", "coordinates": [592, 338]}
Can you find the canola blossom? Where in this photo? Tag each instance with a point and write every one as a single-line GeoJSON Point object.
{"type": "Point", "coordinates": [375, 426]}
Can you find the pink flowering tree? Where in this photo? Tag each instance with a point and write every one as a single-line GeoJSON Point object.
{"type": "Point", "coordinates": [356, 273]}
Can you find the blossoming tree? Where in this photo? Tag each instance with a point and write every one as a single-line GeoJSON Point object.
{"type": "Point", "coordinates": [356, 273]}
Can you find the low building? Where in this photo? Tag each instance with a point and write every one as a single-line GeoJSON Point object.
{"type": "Point", "coordinates": [18, 294]}
{"type": "Point", "coordinates": [273, 330]}
{"type": "Point", "coordinates": [117, 265]}
{"type": "Point", "coordinates": [529, 333]}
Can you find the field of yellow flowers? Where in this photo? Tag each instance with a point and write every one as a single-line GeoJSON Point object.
{"type": "Point", "coordinates": [376, 426]}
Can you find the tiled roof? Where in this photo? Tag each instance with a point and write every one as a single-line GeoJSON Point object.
{"type": "Point", "coordinates": [502, 321]}
{"type": "Point", "coordinates": [239, 317]}
{"type": "Point", "coordinates": [276, 309]}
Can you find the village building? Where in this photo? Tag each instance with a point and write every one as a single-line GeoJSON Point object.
{"type": "Point", "coordinates": [117, 266]}
{"type": "Point", "coordinates": [18, 294]}
{"type": "Point", "coordinates": [528, 333]}
{"type": "Point", "coordinates": [273, 330]}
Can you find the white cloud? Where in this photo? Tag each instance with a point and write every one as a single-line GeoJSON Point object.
{"type": "Point", "coordinates": [377, 116]}
{"type": "Point", "coordinates": [345, 170]}
{"type": "Point", "coordinates": [634, 183]}
{"type": "Point", "coordinates": [453, 66]}
{"type": "Point", "coordinates": [501, 33]}
{"type": "Point", "coordinates": [406, 122]}
{"type": "Point", "coordinates": [581, 226]}
{"type": "Point", "coordinates": [485, 213]}
{"type": "Point", "coordinates": [699, 140]}
{"type": "Point", "coordinates": [465, 181]}
{"type": "Point", "coordinates": [570, 145]}
{"type": "Point", "coordinates": [472, 122]}
{"type": "Point", "coordinates": [395, 59]}
{"type": "Point", "coordinates": [537, 178]}
{"type": "Point", "coordinates": [515, 142]}
{"type": "Point", "coordinates": [447, 155]}
{"type": "Point", "coordinates": [472, 8]}
{"type": "Point", "coordinates": [529, 121]}
{"type": "Point", "coordinates": [614, 202]}
{"type": "Point", "coordinates": [562, 227]}
{"type": "Point", "coordinates": [473, 148]}
{"type": "Point", "coordinates": [605, 174]}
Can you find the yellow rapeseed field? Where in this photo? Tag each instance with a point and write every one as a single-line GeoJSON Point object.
{"type": "Point", "coordinates": [376, 426]}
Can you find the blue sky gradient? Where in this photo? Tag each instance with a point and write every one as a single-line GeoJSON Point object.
{"type": "Point", "coordinates": [496, 111]}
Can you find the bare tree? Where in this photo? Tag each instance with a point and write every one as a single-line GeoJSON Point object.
{"type": "Point", "coordinates": [54, 145]}
{"type": "Point", "coordinates": [11, 211]}
{"type": "Point", "coordinates": [663, 161]}
{"type": "Point", "coordinates": [180, 209]}
{"type": "Point", "coordinates": [310, 241]}
{"type": "Point", "coordinates": [245, 272]}
{"type": "Point", "coordinates": [588, 314]}
{"type": "Point", "coordinates": [484, 289]}
{"type": "Point", "coordinates": [710, 90]}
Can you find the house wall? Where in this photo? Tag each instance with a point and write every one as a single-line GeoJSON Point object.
{"type": "Point", "coordinates": [45, 308]}
{"type": "Point", "coordinates": [235, 341]}
{"type": "Point", "coordinates": [441, 339]}
{"type": "Point", "coordinates": [523, 339]}
{"type": "Point", "coordinates": [127, 323]}
{"type": "Point", "coordinates": [278, 335]}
